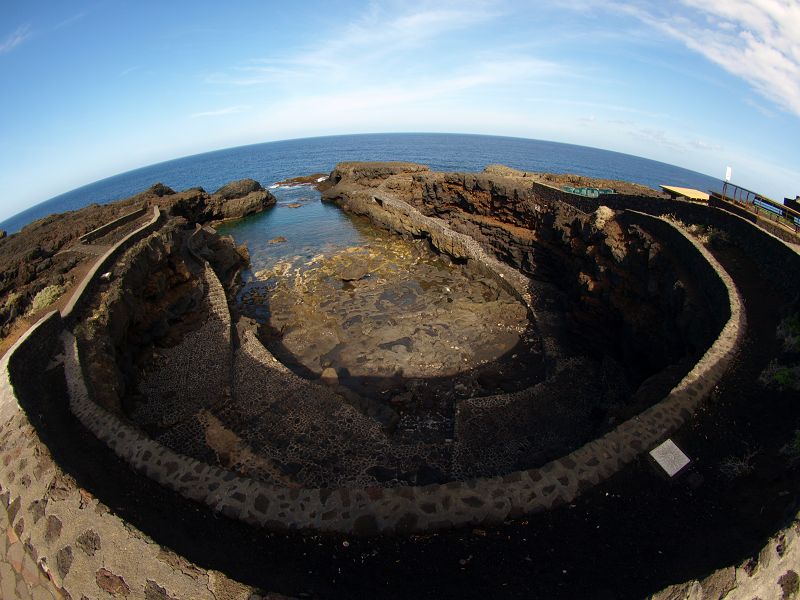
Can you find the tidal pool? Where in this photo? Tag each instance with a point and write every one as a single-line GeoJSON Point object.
{"type": "Point", "coordinates": [382, 315]}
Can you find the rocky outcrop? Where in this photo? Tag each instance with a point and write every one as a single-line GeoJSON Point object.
{"type": "Point", "coordinates": [153, 298]}
{"type": "Point", "coordinates": [232, 201]}
{"type": "Point", "coordinates": [238, 189]}
{"type": "Point", "coordinates": [40, 256]}
{"type": "Point", "coordinates": [621, 294]}
{"type": "Point", "coordinates": [240, 199]}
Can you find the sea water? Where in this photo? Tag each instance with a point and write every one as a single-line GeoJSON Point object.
{"type": "Point", "coordinates": [276, 161]}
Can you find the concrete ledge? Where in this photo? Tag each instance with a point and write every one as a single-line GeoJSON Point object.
{"type": "Point", "coordinates": [111, 225]}
{"type": "Point", "coordinates": [80, 293]}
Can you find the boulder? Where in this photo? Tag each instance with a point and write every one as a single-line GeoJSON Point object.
{"type": "Point", "coordinates": [236, 208]}
{"type": "Point", "coordinates": [238, 189]}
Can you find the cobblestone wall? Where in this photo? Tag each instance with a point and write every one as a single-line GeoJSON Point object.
{"type": "Point", "coordinates": [57, 540]}
{"type": "Point", "coordinates": [111, 225]}
{"type": "Point", "coordinates": [775, 258]}
{"type": "Point", "coordinates": [405, 509]}
{"type": "Point", "coordinates": [60, 539]}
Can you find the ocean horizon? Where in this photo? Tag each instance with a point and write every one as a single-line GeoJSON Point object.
{"type": "Point", "coordinates": [269, 162]}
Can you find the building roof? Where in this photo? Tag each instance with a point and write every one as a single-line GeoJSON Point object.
{"type": "Point", "coordinates": [691, 194]}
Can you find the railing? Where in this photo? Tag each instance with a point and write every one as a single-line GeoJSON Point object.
{"type": "Point", "coordinates": [588, 192]}
{"type": "Point", "coordinates": [760, 205]}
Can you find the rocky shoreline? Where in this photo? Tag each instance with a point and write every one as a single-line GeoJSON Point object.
{"type": "Point", "coordinates": [47, 254]}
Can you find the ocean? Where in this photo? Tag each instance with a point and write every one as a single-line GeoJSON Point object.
{"type": "Point", "coordinates": [275, 161]}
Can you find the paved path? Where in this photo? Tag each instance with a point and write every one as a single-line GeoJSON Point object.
{"type": "Point", "coordinates": [87, 249]}
{"type": "Point", "coordinates": [20, 577]}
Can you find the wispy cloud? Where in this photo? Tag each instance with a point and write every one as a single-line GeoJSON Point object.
{"type": "Point", "coordinates": [71, 20]}
{"type": "Point", "coordinates": [15, 38]}
{"type": "Point", "coordinates": [656, 136]}
{"type": "Point", "coordinates": [706, 146]}
{"type": "Point", "coordinates": [376, 39]}
{"type": "Point", "coordinates": [228, 110]}
{"type": "Point", "coordinates": [755, 40]}
{"type": "Point", "coordinates": [129, 70]}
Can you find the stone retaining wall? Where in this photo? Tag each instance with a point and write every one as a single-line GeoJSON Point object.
{"type": "Point", "coordinates": [405, 509]}
{"type": "Point", "coordinates": [775, 258]}
{"type": "Point", "coordinates": [57, 540]}
{"type": "Point", "coordinates": [701, 270]}
{"type": "Point", "coordinates": [111, 225]}
{"type": "Point", "coordinates": [60, 542]}
{"type": "Point", "coordinates": [83, 290]}
{"type": "Point", "coordinates": [60, 530]}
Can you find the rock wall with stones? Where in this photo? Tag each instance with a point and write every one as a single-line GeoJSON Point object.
{"type": "Point", "coordinates": [370, 510]}
{"type": "Point", "coordinates": [621, 295]}
{"type": "Point", "coordinates": [774, 258]}
{"type": "Point", "coordinates": [58, 540]}
{"type": "Point", "coordinates": [366, 510]}
{"type": "Point", "coordinates": [57, 535]}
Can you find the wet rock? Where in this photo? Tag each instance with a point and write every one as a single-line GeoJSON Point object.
{"type": "Point", "coordinates": [354, 271]}
{"type": "Point", "coordinates": [329, 376]}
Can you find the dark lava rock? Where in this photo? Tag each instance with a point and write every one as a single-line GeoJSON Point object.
{"type": "Point", "coordinates": [238, 189]}
{"type": "Point", "coordinates": [427, 475]}
{"type": "Point", "coordinates": [159, 189]}
{"type": "Point", "coordinates": [382, 474]}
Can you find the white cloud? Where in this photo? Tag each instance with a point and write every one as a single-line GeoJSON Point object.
{"type": "Point", "coordinates": [426, 94]}
{"type": "Point", "coordinates": [228, 110]}
{"type": "Point", "coordinates": [15, 38]}
{"type": "Point", "coordinates": [71, 20]}
{"type": "Point", "coordinates": [373, 41]}
{"type": "Point", "coordinates": [129, 70]}
{"type": "Point", "coordinates": [659, 137]}
{"type": "Point", "coordinates": [755, 40]}
{"type": "Point", "coordinates": [706, 146]}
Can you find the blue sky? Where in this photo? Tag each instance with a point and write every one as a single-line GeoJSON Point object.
{"type": "Point", "coordinates": [97, 88]}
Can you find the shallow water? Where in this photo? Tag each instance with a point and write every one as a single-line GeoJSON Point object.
{"type": "Point", "coordinates": [378, 309]}
{"type": "Point", "coordinates": [310, 227]}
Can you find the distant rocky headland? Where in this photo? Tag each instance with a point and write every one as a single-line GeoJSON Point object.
{"type": "Point", "coordinates": [46, 258]}
{"type": "Point", "coordinates": [509, 346]}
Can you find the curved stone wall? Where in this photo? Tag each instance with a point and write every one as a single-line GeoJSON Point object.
{"type": "Point", "coordinates": [774, 257]}
{"type": "Point", "coordinates": [479, 501]}
{"type": "Point", "coordinates": [56, 529]}
{"type": "Point", "coordinates": [59, 541]}
{"type": "Point", "coordinates": [84, 288]}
